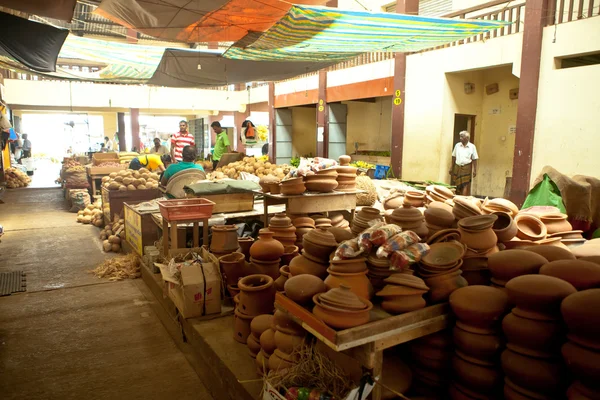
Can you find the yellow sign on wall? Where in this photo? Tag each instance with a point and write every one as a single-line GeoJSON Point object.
{"type": "Point", "coordinates": [133, 230]}
{"type": "Point", "coordinates": [397, 101]}
{"type": "Point", "coordinates": [398, 93]}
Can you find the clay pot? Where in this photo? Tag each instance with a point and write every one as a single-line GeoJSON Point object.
{"type": "Point", "coordinates": [262, 363]}
{"type": "Point", "coordinates": [403, 304]}
{"type": "Point", "coordinates": [414, 198]}
{"type": "Point", "coordinates": [232, 266]}
{"type": "Point", "coordinates": [394, 201]}
{"type": "Point", "coordinates": [445, 235]}
{"type": "Point", "coordinates": [342, 318]}
{"type": "Point", "coordinates": [444, 254]}
{"type": "Point", "coordinates": [479, 308]}
{"type": "Point", "coordinates": [477, 223]}
{"type": "Point", "coordinates": [578, 311]}
{"type": "Point", "coordinates": [304, 222]}
{"type": "Point", "coordinates": [224, 239]}
{"type": "Point", "coordinates": [509, 264]}
{"type": "Point", "coordinates": [481, 240]}
{"type": "Point", "coordinates": [584, 363]}
{"type": "Point", "coordinates": [535, 374]}
{"type": "Point", "coordinates": [292, 187]}
{"type": "Point", "coordinates": [505, 227]}
{"type": "Point", "coordinates": [476, 276]}
{"type": "Point", "coordinates": [267, 341]}
{"type": "Point", "coordinates": [439, 217]}
{"type": "Point", "coordinates": [302, 288]}
{"type": "Point", "coordinates": [260, 324]}
{"type": "Point", "coordinates": [289, 252]}
{"type": "Point", "coordinates": [270, 268]}
{"type": "Point", "coordinates": [241, 326]}
{"type": "Point", "coordinates": [284, 274]}
{"type": "Point", "coordinates": [349, 265]}
{"type": "Point", "coordinates": [288, 343]}
{"type": "Point", "coordinates": [483, 347]}
{"type": "Point", "coordinates": [581, 274]}
{"type": "Point", "coordinates": [280, 220]}
{"type": "Point", "coordinates": [357, 281]}
{"type": "Point", "coordinates": [556, 223]}
{"type": "Point", "coordinates": [340, 235]}
{"type": "Point", "coordinates": [530, 227]}
{"type": "Point", "coordinates": [538, 296]}
{"type": "Point", "coordinates": [533, 338]}
{"type": "Point", "coordinates": [396, 375]}
{"type": "Point", "coordinates": [282, 322]}
{"type": "Point", "coordinates": [257, 295]}
{"type": "Point", "coordinates": [233, 290]}
{"type": "Point", "coordinates": [244, 244]}
{"type": "Point", "coordinates": [275, 188]}
{"type": "Point", "coordinates": [266, 248]}
{"type": "Point", "coordinates": [480, 378]}
{"type": "Point", "coordinates": [319, 243]}
{"type": "Point", "coordinates": [253, 346]}
{"type": "Point", "coordinates": [280, 361]}
{"type": "Point", "coordinates": [320, 183]}
{"type": "Point", "coordinates": [441, 286]}
{"type": "Point", "coordinates": [302, 265]}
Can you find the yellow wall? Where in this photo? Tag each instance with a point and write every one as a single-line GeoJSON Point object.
{"type": "Point", "coordinates": [304, 131]}
{"type": "Point", "coordinates": [110, 124]}
{"type": "Point", "coordinates": [369, 124]}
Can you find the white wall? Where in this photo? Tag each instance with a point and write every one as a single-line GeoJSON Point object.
{"type": "Point", "coordinates": [369, 124]}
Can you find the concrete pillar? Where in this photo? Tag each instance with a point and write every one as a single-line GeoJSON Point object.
{"type": "Point", "coordinates": [135, 128]}
{"type": "Point", "coordinates": [322, 117]}
{"type": "Point", "coordinates": [272, 147]}
{"type": "Point", "coordinates": [121, 131]}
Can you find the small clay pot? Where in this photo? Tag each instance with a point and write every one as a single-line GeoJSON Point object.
{"type": "Point", "coordinates": [444, 254]}
{"type": "Point", "coordinates": [441, 286]}
{"type": "Point", "coordinates": [257, 295]}
{"type": "Point", "coordinates": [260, 324]}
{"type": "Point", "coordinates": [245, 243]}
{"type": "Point", "coordinates": [530, 227]}
{"type": "Point", "coordinates": [481, 240]}
{"type": "Point", "coordinates": [578, 311]}
{"type": "Point", "coordinates": [270, 268]}
{"type": "Point", "coordinates": [275, 188]}
{"type": "Point", "coordinates": [535, 374]}
{"type": "Point", "coordinates": [253, 346]}
{"type": "Point", "coordinates": [232, 265]}
{"type": "Point", "coordinates": [484, 347]}
{"type": "Point", "coordinates": [284, 274]}
{"type": "Point", "coordinates": [289, 252]}
{"type": "Point", "coordinates": [267, 341]}
{"type": "Point", "coordinates": [342, 318]}
{"type": "Point", "coordinates": [479, 308]}
{"type": "Point", "coordinates": [556, 223]}
{"type": "Point", "coordinates": [302, 265]}
{"type": "Point", "coordinates": [241, 326]}
{"type": "Point", "coordinates": [357, 281]}
{"type": "Point", "coordinates": [533, 338]}
{"type": "Point", "coordinates": [224, 239]}
{"type": "Point", "coordinates": [302, 288]}
{"type": "Point", "coordinates": [282, 322]}
{"type": "Point", "coordinates": [280, 361]}
{"type": "Point", "coordinates": [480, 378]}
{"type": "Point", "coordinates": [581, 274]}
{"type": "Point", "coordinates": [288, 343]}
{"type": "Point", "coordinates": [508, 264]}
{"type": "Point", "coordinates": [504, 227]}
{"type": "Point", "coordinates": [266, 248]}
{"type": "Point", "coordinates": [349, 265]}
{"type": "Point", "coordinates": [584, 363]}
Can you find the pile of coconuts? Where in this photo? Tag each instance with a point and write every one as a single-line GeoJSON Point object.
{"type": "Point", "coordinates": [129, 179]}
{"type": "Point", "coordinates": [111, 236]}
{"type": "Point", "coordinates": [91, 214]}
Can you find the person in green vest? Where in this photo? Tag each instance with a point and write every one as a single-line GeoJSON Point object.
{"type": "Point", "coordinates": [222, 144]}
{"type": "Point", "coordinates": [188, 155]}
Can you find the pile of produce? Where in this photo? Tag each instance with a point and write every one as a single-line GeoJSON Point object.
{"type": "Point", "coordinates": [129, 179]}
{"type": "Point", "coordinates": [206, 164]}
{"type": "Point", "coordinates": [253, 166]}
{"type": "Point", "coordinates": [70, 163]}
{"type": "Point", "coordinates": [91, 214]}
{"type": "Point", "coordinates": [110, 164]}
{"type": "Point", "coordinates": [363, 165]}
{"type": "Point", "coordinates": [119, 268]}
{"type": "Point", "coordinates": [16, 178]}
{"type": "Point", "coordinates": [111, 236]}
{"type": "Point", "coordinates": [75, 169]}
{"type": "Point", "coordinates": [126, 157]}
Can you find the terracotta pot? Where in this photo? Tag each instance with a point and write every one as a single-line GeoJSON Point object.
{"type": "Point", "coordinates": [260, 324]}
{"type": "Point", "coordinates": [394, 201]}
{"type": "Point", "coordinates": [340, 318]}
{"type": "Point", "coordinates": [505, 227]}
{"type": "Point", "coordinates": [578, 391]}
{"type": "Point", "coordinates": [257, 295]}
{"type": "Point", "coordinates": [279, 361]}
{"type": "Point", "coordinates": [357, 281]}
{"type": "Point", "coordinates": [581, 274]}
{"type": "Point", "coordinates": [289, 252]}
{"type": "Point", "coordinates": [535, 374]}
{"type": "Point", "coordinates": [266, 248]}
{"type": "Point", "coordinates": [245, 243]}
{"type": "Point", "coordinates": [224, 239]}
{"type": "Point", "coordinates": [552, 253]}
{"type": "Point", "coordinates": [439, 217]}
{"type": "Point", "coordinates": [233, 290]}
{"type": "Point", "coordinates": [509, 264]}
{"type": "Point", "coordinates": [267, 341]}
{"type": "Point", "coordinates": [533, 338]}
{"type": "Point", "coordinates": [444, 254]}
{"type": "Point", "coordinates": [481, 308]}
{"type": "Point", "coordinates": [284, 274]}
{"type": "Point", "coordinates": [282, 322]}
{"type": "Point", "coordinates": [262, 363]}
{"type": "Point", "coordinates": [319, 242]}
{"type": "Point", "coordinates": [320, 183]}
{"type": "Point", "coordinates": [241, 326]}
{"type": "Point", "coordinates": [288, 343]}
{"type": "Point", "coordinates": [302, 288]}
{"type": "Point", "coordinates": [253, 346]}
{"type": "Point", "coordinates": [340, 234]}
{"type": "Point", "coordinates": [441, 286]}
{"type": "Point", "coordinates": [303, 222]}
{"type": "Point", "coordinates": [403, 304]}
{"type": "Point", "coordinates": [270, 268]}
{"type": "Point", "coordinates": [280, 220]}
{"type": "Point", "coordinates": [275, 188]}
{"type": "Point", "coordinates": [484, 347]}
{"type": "Point", "coordinates": [577, 311]}
{"type": "Point", "coordinates": [477, 377]}
{"type": "Point", "coordinates": [232, 265]}
{"type": "Point", "coordinates": [477, 276]}
{"type": "Point", "coordinates": [445, 235]}
{"type": "Point", "coordinates": [266, 188]}
{"type": "Point", "coordinates": [349, 265]}
{"type": "Point", "coordinates": [538, 296]}
{"type": "Point", "coordinates": [294, 186]}
{"type": "Point", "coordinates": [556, 223]}
{"type": "Point", "coordinates": [530, 227]}
{"type": "Point", "coordinates": [302, 265]}
{"type": "Point", "coordinates": [584, 363]}
{"type": "Point", "coordinates": [481, 240]}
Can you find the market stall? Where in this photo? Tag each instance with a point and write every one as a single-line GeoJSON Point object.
{"type": "Point", "coordinates": [103, 164]}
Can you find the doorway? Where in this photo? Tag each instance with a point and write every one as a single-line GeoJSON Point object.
{"type": "Point", "coordinates": [463, 122]}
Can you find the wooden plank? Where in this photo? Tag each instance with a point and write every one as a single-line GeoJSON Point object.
{"type": "Point", "coordinates": [308, 320]}
{"type": "Point", "coordinates": [570, 15]}
{"type": "Point", "coordinates": [590, 8]}
{"type": "Point", "coordinates": [580, 9]}
{"type": "Point", "coordinates": [414, 331]}
{"type": "Point", "coordinates": [518, 20]}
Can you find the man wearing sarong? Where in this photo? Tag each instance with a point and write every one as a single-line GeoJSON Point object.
{"type": "Point", "coordinates": [464, 164]}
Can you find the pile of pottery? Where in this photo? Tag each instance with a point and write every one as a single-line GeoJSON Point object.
{"type": "Point", "coordinates": [508, 264]}
{"type": "Point", "coordinates": [292, 186]}
{"type": "Point", "coordinates": [266, 253]}
{"type": "Point", "coordinates": [303, 226]}
{"type": "Point", "coordinates": [233, 268]}
{"type": "Point", "coordinates": [361, 220]}
{"type": "Point", "coordinates": [476, 233]}
{"type": "Point", "coordinates": [224, 240]}
{"type": "Point", "coordinates": [465, 207]}
{"type": "Point", "coordinates": [440, 269]}
{"type": "Point", "coordinates": [341, 308]}
{"type": "Point", "coordinates": [438, 193]}
{"type": "Point", "coordinates": [403, 293]}
{"type": "Point", "coordinates": [338, 221]}
{"type": "Point", "coordinates": [322, 222]}
{"type": "Point", "coordinates": [570, 238]}
{"type": "Point", "coordinates": [532, 362]}
{"type": "Point", "coordinates": [581, 274]}
{"type": "Point", "coordinates": [283, 230]}
{"type": "Point", "coordinates": [257, 296]}
{"type": "Point", "coordinates": [318, 244]}
{"type": "Point", "coordinates": [351, 273]}
{"type": "Point", "coordinates": [302, 288]}
{"type": "Point", "coordinates": [438, 216]}
{"type": "Point", "coordinates": [478, 340]}
{"type": "Point", "coordinates": [244, 244]}
{"type": "Point", "coordinates": [378, 270]}
{"type": "Point", "coordinates": [410, 218]}
{"type": "Point", "coordinates": [432, 360]}
{"type": "Point", "coordinates": [278, 344]}
{"type": "Point", "coordinates": [346, 177]}
{"type": "Point", "coordinates": [414, 198]}
{"type": "Point", "coordinates": [258, 325]}
{"type": "Point", "coordinates": [556, 222]}
{"type": "Point", "coordinates": [322, 181]}
{"type": "Point", "coordinates": [581, 313]}
{"type": "Point", "coordinates": [499, 205]}
{"type": "Point", "coordinates": [504, 226]}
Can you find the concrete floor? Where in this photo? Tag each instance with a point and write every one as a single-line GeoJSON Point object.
{"type": "Point", "coordinates": [72, 335]}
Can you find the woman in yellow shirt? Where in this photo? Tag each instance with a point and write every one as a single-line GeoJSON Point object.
{"type": "Point", "coordinates": [153, 162]}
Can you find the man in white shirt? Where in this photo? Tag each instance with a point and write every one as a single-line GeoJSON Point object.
{"type": "Point", "coordinates": [464, 164]}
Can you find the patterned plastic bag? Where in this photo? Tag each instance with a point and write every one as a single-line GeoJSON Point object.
{"type": "Point", "coordinates": [348, 249]}
{"type": "Point", "coordinates": [398, 242]}
{"type": "Point", "coordinates": [376, 235]}
{"type": "Point", "coordinates": [412, 254]}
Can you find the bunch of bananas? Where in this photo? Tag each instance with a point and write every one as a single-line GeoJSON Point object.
{"type": "Point", "coordinates": [362, 164]}
{"type": "Point", "coordinates": [262, 132]}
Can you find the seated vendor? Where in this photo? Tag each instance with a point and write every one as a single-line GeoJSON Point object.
{"type": "Point", "coordinates": [153, 162]}
{"type": "Point", "coordinates": [188, 157]}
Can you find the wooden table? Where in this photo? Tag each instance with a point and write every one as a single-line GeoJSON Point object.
{"type": "Point", "coordinates": [366, 342]}
{"type": "Point", "coordinates": [195, 232]}
{"type": "Point", "coordinates": [311, 202]}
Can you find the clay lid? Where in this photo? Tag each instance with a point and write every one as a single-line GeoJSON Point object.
{"type": "Point", "coordinates": [379, 262]}
{"type": "Point", "coordinates": [303, 222]}
{"type": "Point", "coordinates": [341, 234]}
{"type": "Point", "coordinates": [322, 237]}
{"type": "Point", "coordinates": [552, 253]}
{"type": "Point", "coordinates": [504, 203]}
{"type": "Point", "coordinates": [444, 235]}
{"type": "Point", "coordinates": [586, 250]}
{"type": "Point", "coordinates": [478, 223]}
{"type": "Point", "coordinates": [442, 191]}
{"type": "Point", "coordinates": [439, 216]}
{"type": "Point", "coordinates": [578, 310]}
{"type": "Point", "coordinates": [280, 220]}
{"type": "Point", "coordinates": [568, 235]}
{"type": "Point", "coordinates": [260, 324]}
{"type": "Point", "coordinates": [344, 298]}
{"type": "Point", "coordinates": [336, 218]}
{"type": "Point", "coordinates": [407, 213]}
{"type": "Point", "coordinates": [407, 280]}
{"type": "Point", "coordinates": [468, 204]}
{"type": "Point", "coordinates": [444, 254]}
{"type": "Point", "coordinates": [509, 264]}
{"type": "Point", "coordinates": [328, 171]}
{"type": "Point", "coordinates": [538, 296]}
{"type": "Point", "coordinates": [323, 221]}
{"type": "Point", "coordinates": [479, 305]}
{"type": "Point", "coordinates": [581, 274]}
{"type": "Point", "coordinates": [553, 217]}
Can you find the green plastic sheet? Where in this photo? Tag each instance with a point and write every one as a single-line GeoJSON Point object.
{"type": "Point", "coordinates": [545, 193]}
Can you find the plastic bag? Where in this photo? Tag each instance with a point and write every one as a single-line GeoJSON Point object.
{"type": "Point", "coordinates": [402, 259]}
{"type": "Point", "coordinates": [80, 199]}
{"type": "Point", "coordinates": [378, 232]}
{"type": "Point", "coordinates": [397, 243]}
{"type": "Point", "coordinates": [348, 249]}
{"type": "Point", "coordinates": [545, 193]}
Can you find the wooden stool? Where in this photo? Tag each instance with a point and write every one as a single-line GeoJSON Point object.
{"type": "Point", "coordinates": [195, 232]}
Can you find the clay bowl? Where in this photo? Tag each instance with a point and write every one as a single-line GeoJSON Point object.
{"type": "Point", "coordinates": [441, 286]}
{"type": "Point", "coordinates": [538, 296]}
{"type": "Point", "coordinates": [407, 281]}
{"type": "Point", "coordinates": [530, 227]}
{"type": "Point", "coordinates": [506, 204]}
{"type": "Point", "coordinates": [584, 363]}
{"type": "Point", "coordinates": [509, 264]}
{"type": "Point", "coordinates": [304, 222]}
{"type": "Point", "coordinates": [342, 318]}
{"type": "Point", "coordinates": [302, 288]}
{"type": "Point", "coordinates": [534, 338]}
{"type": "Point", "coordinates": [349, 265]}
{"type": "Point", "coordinates": [483, 379]}
{"type": "Point", "coordinates": [444, 254]}
{"type": "Point", "coordinates": [556, 223]}
{"type": "Point", "coordinates": [578, 310]}
{"type": "Point", "coordinates": [292, 190]}
{"type": "Point", "coordinates": [302, 265]}
{"type": "Point", "coordinates": [484, 347]}
{"type": "Point", "coordinates": [504, 227]}
{"type": "Point", "coordinates": [479, 308]}
{"type": "Point", "coordinates": [535, 374]}
{"type": "Point", "coordinates": [477, 223]}
{"type": "Point", "coordinates": [321, 184]}
{"type": "Point", "coordinates": [581, 274]}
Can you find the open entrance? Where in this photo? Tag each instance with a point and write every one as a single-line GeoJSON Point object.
{"type": "Point", "coordinates": [464, 122]}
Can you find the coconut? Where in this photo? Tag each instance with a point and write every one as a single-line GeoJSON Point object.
{"type": "Point", "coordinates": [106, 246]}
{"type": "Point", "coordinates": [131, 187]}
{"type": "Point", "coordinates": [116, 247]}
{"type": "Point", "coordinates": [112, 175]}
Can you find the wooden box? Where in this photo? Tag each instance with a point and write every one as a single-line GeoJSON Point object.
{"type": "Point", "coordinates": [99, 158]}
{"type": "Point", "coordinates": [234, 202]}
{"type": "Point", "coordinates": [140, 230]}
{"type": "Point", "coordinates": [116, 198]}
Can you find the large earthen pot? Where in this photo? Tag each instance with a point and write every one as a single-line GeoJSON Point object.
{"type": "Point", "coordinates": [288, 343]}
{"type": "Point", "coordinates": [270, 268]}
{"type": "Point", "coordinates": [546, 376]}
{"type": "Point", "coordinates": [302, 288]}
{"type": "Point", "coordinates": [477, 377]}
{"type": "Point", "coordinates": [504, 227]}
{"type": "Point", "coordinates": [257, 295]}
{"type": "Point", "coordinates": [480, 309]}
{"type": "Point", "coordinates": [485, 347]}
{"type": "Point", "coordinates": [508, 264]}
{"type": "Point", "coordinates": [302, 265]}
{"type": "Point", "coordinates": [224, 239]}
{"type": "Point", "coordinates": [281, 361]}
{"type": "Point", "coordinates": [581, 313]}
{"type": "Point", "coordinates": [533, 338]}
{"type": "Point", "coordinates": [349, 265]}
{"type": "Point", "coordinates": [232, 265]}
{"type": "Point", "coordinates": [357, 281]}
{"type": "Point", "coordinates": [556, 223]}
{"type": "Point", "coordinates": [581, 274]}
{"type": "Point", "coordinates": [266, 248]}
{"type": "Point", "coordinates": [260, 324]}
{"type": "Point", "coordinates": [267, 341]}
{"type": "Point", "coordinates": [441, 286]}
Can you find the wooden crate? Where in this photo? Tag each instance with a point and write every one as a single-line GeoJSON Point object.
{"type": "Point", "coordinates": [140, 230]}
{"type": "Point", "coordinates": [116, 198]}
{"type": "Point", "coordinates": [235, 202]}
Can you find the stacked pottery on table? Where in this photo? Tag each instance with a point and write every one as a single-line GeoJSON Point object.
{"type": "Point", "coordinates": [257, 296]}
{"type": "Point", "coordinates": [258, 325]}
{"type": "Point", "coordinates": [570, 238]}
{"type": "Point", "coordinates": [403, 293]}
{"type": "Point", "coordinates": [440, 269]}
{"type": "Point", "coordinates": [341, 308]}
{"type": "Point", "coordinates": [346, 175]}
{"type": "Point", "coordinates": [292, 186]}
{"type": "Point", "coordinates": [431, 362]}
{"type": "Point", "coordinates": [478, 341]}
{"type": "Point", "coordinates": [378, 270]}
{"type": "Point", "coordinates": [282, 229]}
{"type": "Point", "coordinates": [322, 181]}
{"type": "Point", "coordinates": [438, 216]}
{"type": "Point", "coordinates": [509, 264]}
{"type": "Point", "coordinates": [361, 220]}
{"type": "Point", "coordinates": [351, 273]}
{"type": "Point", "coordinates": [465, 207]}
{"type": "Point", "coordinates": [477, 235]}
{"type": "Point", "coordinates": [318, 244]}
{"type": "Point", "coordinates": [266, 253]}
{"type": "Point", "coordinates": [410, 218]}
{"type": "Point", "coordinates": [303, 226]}
{"type": "Point", "coordinates": [534, 332]}
{"type": "Point", "coordinates": [581, 313]}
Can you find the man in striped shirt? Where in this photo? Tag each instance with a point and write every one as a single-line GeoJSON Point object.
{"type": "Point", "coordinates": [180, 140]}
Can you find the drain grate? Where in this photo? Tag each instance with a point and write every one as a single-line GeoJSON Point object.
{"type": "Point", "coordinates": [12, 282]}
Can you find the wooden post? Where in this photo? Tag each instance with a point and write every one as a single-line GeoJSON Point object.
{"type": "Point", "coordinates": [322, 117]}
{"type": "Point", "coordinates": [135, 128]}
{"type": "Point", "coordinates": [410, 7]}
{"type": "Point", "coordinates": [536, 17]}
{"type": "Point", "coordinates": [272, 149]}
{"type": "Point", "coordinates": [121, 131]}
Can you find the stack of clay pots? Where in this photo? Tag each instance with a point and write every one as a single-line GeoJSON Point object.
{"type": "Point", "coordinates": [302, 288]}
{"type": "Point", "coordinates": [465, 207]}
{"type": "Point", "coordinates": [318, 244]}
{"type": "Point", "coordinates": [303, 226]}
{"type": "Point", "coordinates": [530, 227]}
{"type": "Point", "coordinates": [322, 222]}
{"type": "Point", "coordinates": [363, 217]}
{"type": "Point", "coordinates": [581, 313]}
{"type": "Point", "coordinates": [438, 216]}
{"type": "Point", "coordinates": [278, 344]}
{"type": "Point", "coordinates": [403, 293]}
{"type": "Point", "coordinates": [432, 359]}
{"type": "Point", "coordinates": [378, 270]}
{"type": "Point", "coordinates": [438, 193]}
{"type": "Point", "coordinates": [338, 221]}
{"type": "Point", "coordinates": [476, 233]}
{"type": "Point", "coordinates": [292, 186]}
{"type": "Point", "coordinates": [346, 175]}
{"type": "Point", "coordinates": [224, 240]}
{"type": "Point", "coordinates": [414, 198]}
{"type": "Point", "coordinates": [266, 253]}
{"type": "Point", "coordinates": [478, 341]}
{"type": "Point", "coordinates": [570, 239]}
{"type": "Point", "coordinates": [282, 229]}
{"type": "Point", "coordinates": [351, 273]}
{"type": "Point", "coordinates": [410, 218]}
{"type": "Point", "coordinates": [322, 181]}
{"type": "Point", "coordinates": [233, 267]}
{"type": "Point", "coordinates": [267, 348]}
{"type": "Point", "coordinates": [257, 296]}
{"type": "Point", "coordinates": [504, 227]}
{"type": "Point", "coordinates": [499, 205]}
{"type": "Point", "coordinates": [534, 332]}
{"type": "Point", "coordinates": [509, 264]}
{"type": "Point", "coordinates": [258, 325]}
{"type": "Point", "coordinates": [440, 269]}
{"type": "Point", "coordinates": [341, 308]}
